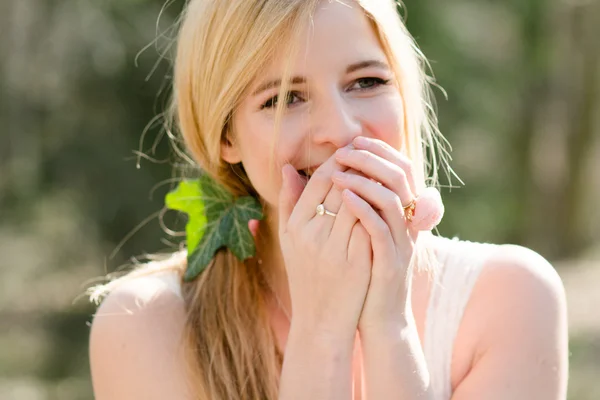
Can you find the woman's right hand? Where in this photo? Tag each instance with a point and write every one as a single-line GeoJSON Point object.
{"type": "Point", "coordinates": [328, 259]}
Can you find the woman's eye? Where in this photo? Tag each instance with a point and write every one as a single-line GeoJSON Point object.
{"type": "Point", "coordinates": [272, 102]}
{"type": "Point", "coordinates": [369, 83]}
{"type": "Point", "coordinates": [363, 83]}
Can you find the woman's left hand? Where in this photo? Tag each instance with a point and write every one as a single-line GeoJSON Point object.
{"type": "Point", "coordinates": [377, 198]}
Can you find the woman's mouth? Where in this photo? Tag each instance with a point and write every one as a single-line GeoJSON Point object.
{"type": "Point", "coordinates": [305, 173]}
{"type": "Point", "coordinates": [308, 171]}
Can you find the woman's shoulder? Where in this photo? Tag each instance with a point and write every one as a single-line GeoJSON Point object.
{"type": "Point", "coordinates": [136, 310]}
{"type": "Point", "coordinates": [503, 266]}
{"type": "Point", "coordinates": [136, 337]}
{"type": "Point", "coordinates": [518, 283]}
{"type": "Point", "coordinates": [514, 306]}
{"type": "Point", "coordinates": [141, 294]}
{"type": "Point", "coordinates": [518, 300]}
{"type": "Point", "coordinates": [494, 259]}
{"type": "Point", "coordinates": [504, 270]}
{"type": "Point", "coordinates": [148, 294]}
{"type": "Point", "coordinates": [520, 263]}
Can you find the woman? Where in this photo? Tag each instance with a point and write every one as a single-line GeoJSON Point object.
{"type": "Point", "coordinates": [349, 296]}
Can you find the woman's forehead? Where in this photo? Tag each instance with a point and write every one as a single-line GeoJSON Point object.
{"type": "Point", "coordinates": [339, 34]}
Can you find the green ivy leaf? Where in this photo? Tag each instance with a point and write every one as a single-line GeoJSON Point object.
{"type": "Point", "coordinates": [217, 219]}
{"type": "Point", "coordinates": [187, 198]}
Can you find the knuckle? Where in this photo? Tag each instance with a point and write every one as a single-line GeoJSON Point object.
{"type": "Point", "coordinates": [399, 180]}
{"type": "Point", "coordinates": [405, 164]}
{"type": "Point", "coordinates": [409, 168]}
{"type": "Point", "coordinates": [400, 173]}
{"type": "Point", "coordinates": [380, 144]}
{"type": "Point", "coordinates": [392, 203]}
{"type": "Point", "coordinates": [363, 155]}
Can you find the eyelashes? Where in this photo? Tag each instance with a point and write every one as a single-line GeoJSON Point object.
{"type": "Point", "coordinates": [377, 82]}
{"type": "Point", "coordinates": [272, 102]}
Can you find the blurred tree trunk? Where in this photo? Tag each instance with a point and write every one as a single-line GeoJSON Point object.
{"type": "Point", "coordinates": [555, 224]}
{"type": "Point", "coordinates": [21, 154]}
{"type": "Point", "coordinates": [584, 79]}
{"type": "Point", "coordinates": [534, 77]}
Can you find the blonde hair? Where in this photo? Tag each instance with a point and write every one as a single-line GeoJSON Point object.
{"type": "Point", "coordinates": [221, 48]}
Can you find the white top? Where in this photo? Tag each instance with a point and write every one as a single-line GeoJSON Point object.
{"type": "Point", "coordinates": [460, 263]}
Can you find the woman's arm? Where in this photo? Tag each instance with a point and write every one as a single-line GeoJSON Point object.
{"type": "Point", "coordinates": [317, 365]}
{"type": "Point", "coordinates": [522, 342]}
{"type": "Point", "coordinates": [328, 264]}
{"type": "Point", "coordinates": [520, 306]}
{"type": "Point", "coordinates": [135, 344]}
{"type": "Point", "coordinates": [394, 363]}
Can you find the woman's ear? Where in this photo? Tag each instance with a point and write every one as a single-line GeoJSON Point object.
{"type": "Point", "coordinates": [229, 150]}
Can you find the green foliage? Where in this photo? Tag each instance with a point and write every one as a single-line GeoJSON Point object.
{"type": "Point", "coordinates": [216, 219]}
{"type": "Point", "coordinates": [187, 198]}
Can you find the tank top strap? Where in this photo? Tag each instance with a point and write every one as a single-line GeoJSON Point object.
{"type": "Point", "coordinates": [460, 264]}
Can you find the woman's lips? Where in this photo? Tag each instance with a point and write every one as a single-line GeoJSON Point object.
{"type": "Point", "coordinates": [309, 171]}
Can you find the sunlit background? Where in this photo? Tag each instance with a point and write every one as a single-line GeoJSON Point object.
{"type": "Point", "coordinates": [80, 81]}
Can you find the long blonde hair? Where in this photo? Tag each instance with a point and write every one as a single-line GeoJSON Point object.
{"type": "Point", "coordinates": [221, 48]}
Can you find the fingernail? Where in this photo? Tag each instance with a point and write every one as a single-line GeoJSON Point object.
{"type": "Point", "coordinates": [360, 141]}
{"type": "Point", "coordinates": [342, 152]}
{"type": "Point", "coordinates": [347, 193]}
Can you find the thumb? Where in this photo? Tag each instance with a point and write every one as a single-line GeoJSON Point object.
{"type": "Point", "coordinates": [291, 189]}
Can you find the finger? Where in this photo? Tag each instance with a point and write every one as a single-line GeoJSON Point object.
{"type": "Point", "coordinates": [379, 232]}
{"type": "Point", "coordinates": [390, 175]}
{"type": "Point", "coordinates": [359, 246]}
{"type": "Point", "coordinates": [387, 152]}
{"type": "Point", "coordinates": [291, 189]}
{"type": "Point", "coordinates": [380, 198]}
{"type": "Point", "coordinates": [323, 226]}
{"type": "Point", "coordinates": [315, 192]}
{"type": "Point", "coordinates": [342, 227]}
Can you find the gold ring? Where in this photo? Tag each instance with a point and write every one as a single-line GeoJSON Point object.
{"type": "Point", "coordinates": [409, 209]}
{"type": "Point", "coordinates": [322, 211]}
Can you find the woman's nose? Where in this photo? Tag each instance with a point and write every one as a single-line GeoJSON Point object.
{"type": "Point", "coordinates": [336, 122]}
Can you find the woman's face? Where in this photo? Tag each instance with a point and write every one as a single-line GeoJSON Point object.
{"type": "Point", "coordinates": [342, 88]}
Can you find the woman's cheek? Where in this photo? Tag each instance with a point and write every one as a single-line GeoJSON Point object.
{"type": "Point", "coordinates": [265, 180]}
{"type": "Point", "coordinates": [261, 168]}
{"type": "Point", "coordinates": [384, 119]}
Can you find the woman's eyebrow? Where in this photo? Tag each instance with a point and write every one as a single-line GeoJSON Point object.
{"type": "Point", "coordinates": [366, 64]}
{"type": "Point", "coordinates": [296, 80]}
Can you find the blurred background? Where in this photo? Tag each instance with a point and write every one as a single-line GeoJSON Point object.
{"type": "Point", "coordinates": [80, 81]}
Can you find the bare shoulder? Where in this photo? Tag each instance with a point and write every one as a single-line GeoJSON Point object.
{"type": "Point", "coordinates": [521, 288]}
{"type": "Point", "coordinates": [518, 320]}
{"type": "Point", "coordinates": [518, 288]}
{"type": "Point", "coordinates": [136, 342]}
{"type": "Point", "coordinates": [524, 266]}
